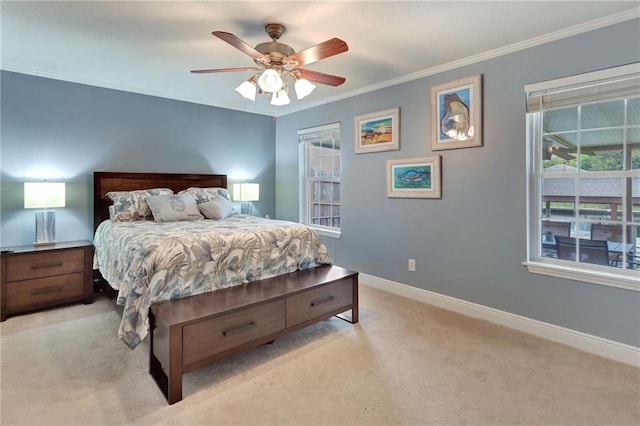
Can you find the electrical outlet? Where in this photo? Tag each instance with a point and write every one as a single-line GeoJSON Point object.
{"type": "Point", "coordinates": [412, 265]}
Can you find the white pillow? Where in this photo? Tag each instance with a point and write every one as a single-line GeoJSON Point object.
{"type": "Point", "coordinates": [174, 207]}
{"type": "Point", "coordinates": [217, 209]}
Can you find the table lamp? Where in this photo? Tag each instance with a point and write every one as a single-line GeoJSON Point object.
{"type": "Point", "coordinates": [245, 193]}
{"type": "Point", "coordinates": [44, 195]}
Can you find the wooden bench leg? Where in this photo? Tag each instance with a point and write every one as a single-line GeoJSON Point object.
{"type": "Point", "coordinates": [174, 393]}
{"type": "Point", "coordinates": [353, 318]}
{"type": "Point", "coordinates": [166, 347]}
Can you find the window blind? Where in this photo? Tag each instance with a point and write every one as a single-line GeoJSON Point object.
{"type": "Point", "coordinates": [612, 83]}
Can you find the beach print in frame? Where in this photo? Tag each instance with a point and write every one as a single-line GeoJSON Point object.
{"type": "Point", "coordinates": [377, 131]}
{"type": "Point", "coordinates": [414, 178]}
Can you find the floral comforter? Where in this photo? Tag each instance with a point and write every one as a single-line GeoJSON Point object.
{"type": "Point", "coordinates": [149, 262]}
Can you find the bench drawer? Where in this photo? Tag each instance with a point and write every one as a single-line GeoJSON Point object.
{"type": "Point", "coordinates": [43, 291]}
{"type": "Point", "coordinates": [224, 332]}
{"type": "Point", "coordinates": [318, 301]}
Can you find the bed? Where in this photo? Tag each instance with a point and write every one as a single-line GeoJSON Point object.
{"type": "Point", "coordinates": [187, 282]}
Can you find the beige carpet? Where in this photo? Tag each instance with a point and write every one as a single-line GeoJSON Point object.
{"type": "Point", "coordinates": [405, 363]}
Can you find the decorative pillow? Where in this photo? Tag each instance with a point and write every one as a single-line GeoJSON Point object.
{"type": "Point", "coordinates": [175, 207]}
{"type": "Point", "coordinates": [217, 209]}
{"type": "Point", "coordinates": [132, 205]}
{"type": "Point", "coordinates": [206, 194]}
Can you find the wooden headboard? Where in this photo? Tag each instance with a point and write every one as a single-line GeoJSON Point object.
{"type": "Point", "coordinates": [104, 182]}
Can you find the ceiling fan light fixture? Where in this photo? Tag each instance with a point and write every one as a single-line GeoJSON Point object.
{"type": "Point", "coordinates": [280, 98]}
{"type": "Point", "coordinates": [303, 87]}
{"type": "Point", "coordinates": [248, 89]}
{"type": "Point", "coordinates": [278, 64]}
{"type": "Point", "coordinates": [270, 81]}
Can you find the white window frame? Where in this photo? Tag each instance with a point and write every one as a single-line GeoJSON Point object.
{"type": "Point", "coordinates": [609, 84]}
{"type": "Point", "coordinates": [307, 180]}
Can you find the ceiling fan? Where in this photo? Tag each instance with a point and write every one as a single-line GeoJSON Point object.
{"type": "Point", "coordinates": [278, 61]}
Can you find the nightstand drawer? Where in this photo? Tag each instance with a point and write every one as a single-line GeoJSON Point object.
{"type": "Point", "coordinates": [319, 301]}
{"type": "Point", "coordinates": [45, 264]}
{"type": "Point", "coordinates": [42, 291]}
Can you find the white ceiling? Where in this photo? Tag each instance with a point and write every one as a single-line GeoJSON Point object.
{"type": "Point", "coordinates": [149, 47]}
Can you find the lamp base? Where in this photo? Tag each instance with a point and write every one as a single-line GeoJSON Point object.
{"type": "Point", "coordinates": [45, 228]}
{"type": "Point", "coordinates": [246, 208]}
{"type": "Point", "coordinates": [46, 243]}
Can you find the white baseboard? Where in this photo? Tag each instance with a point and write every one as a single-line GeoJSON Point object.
{"type": "Point", "coordinates": [586, 342]}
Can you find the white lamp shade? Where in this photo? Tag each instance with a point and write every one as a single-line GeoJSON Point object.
{"type": "Point", "coordinates": [246, 191]}
{"type": "Point", "coordinates": [39, 195]}
{"type": "Point", "coordinates": [270, 81]}
{"type": "Point", "coordinates": [247, 90]}
{"type": "Point", "coordinates": [303, 87]}
{"type": "Point", "coordinates": [280, 98]}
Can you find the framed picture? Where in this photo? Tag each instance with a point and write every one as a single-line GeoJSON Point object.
{"type": "Point", "coordinates": [414, 178]}
{"type": "Point", "coordinates": [378, 131]}
{"type": "Point", "coordinates": [456, 114]}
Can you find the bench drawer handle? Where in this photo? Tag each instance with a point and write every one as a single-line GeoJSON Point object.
{"type": "Point", "coordinates": [45, 290]}
{"type": "Point", "coordinates": [46, 265]}
{"type": "Point", "coordinates": [239, 329]}
{"type": "Point", "coordinates": [319, 302]}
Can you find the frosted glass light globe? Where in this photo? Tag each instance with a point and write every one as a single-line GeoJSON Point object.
{"type": "Point", "coordinates": [303, 88]}
{"type": "Point", "coordinates": [270, 81]}
{"type": "Point", "coordinates": [280, 98]}
{"type": "Point", "coordinates": [247, 90]}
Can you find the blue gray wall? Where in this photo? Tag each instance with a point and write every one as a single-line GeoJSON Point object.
{"type": "Point", "coordinates": [65, 131]}
{"type": "Point", "coordinates": [471, 244]}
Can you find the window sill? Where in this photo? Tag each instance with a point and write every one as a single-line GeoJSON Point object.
{"type": "Point", "coordinates": [629, 280]}
{"type": "Point", "coordinates": [326, 232]}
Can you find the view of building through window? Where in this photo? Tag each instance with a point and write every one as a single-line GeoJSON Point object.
{"type": "Point", "coordinates": [320, 176]}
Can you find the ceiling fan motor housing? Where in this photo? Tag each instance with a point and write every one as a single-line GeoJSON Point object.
{"type": "Point", "coordinates": [274, 49]}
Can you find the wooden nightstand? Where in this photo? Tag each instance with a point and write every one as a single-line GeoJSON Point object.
{"type": "Point", "coordinates": [40, 277]}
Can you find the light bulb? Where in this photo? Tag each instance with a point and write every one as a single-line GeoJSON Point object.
{"type": "Point", "coordinates": [270, 81]}
{"type": "Point", "coordinates": [280, 98]}
{"type": "Point", "coordinates": [248, 90]}
{"type": "Point", "coordinates": [303, 87]}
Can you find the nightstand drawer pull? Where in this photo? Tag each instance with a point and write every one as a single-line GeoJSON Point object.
{"type": "Point", "coordinates": [239, 329]}
{"type": "Point", "coordinates": [319, 302]}
{"type": "Point", "coordinates": [46, 265]}
{"type": "Point", "coordinates": [45, 290]}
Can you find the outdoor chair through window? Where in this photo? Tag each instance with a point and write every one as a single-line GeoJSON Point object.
{"type": "Point", "coordinates": [591, 251]}
{"type": "Point", "coordinates": [613, 233]}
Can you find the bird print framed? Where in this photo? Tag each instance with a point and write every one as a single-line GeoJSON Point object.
{"type": "Point", "coordinates": [456, 114]}
{"type": "Point", "coordinates": [414, 177]}
{"type": "Point", "coordinates": [378, 131]}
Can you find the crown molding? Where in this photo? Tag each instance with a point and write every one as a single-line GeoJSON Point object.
{"type": "Point", "coordinates": [124, 88]}
{"type": "Point", "coordinates": [501, 51]}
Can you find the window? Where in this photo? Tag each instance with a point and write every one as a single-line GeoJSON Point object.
{"type": "Point", "coordinates": [583, 177]}
{"type": "Point", "coordinates": [320, 178]}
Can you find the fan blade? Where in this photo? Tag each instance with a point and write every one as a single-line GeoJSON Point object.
{"type": "Point", "coordinates": [225, 70]}
{"type": "Point", "coordinates": [239, 44]}
{"type": "Point", "coordinates": [319, 51]}
{"type": "Point", "coordinates": [319, 77]}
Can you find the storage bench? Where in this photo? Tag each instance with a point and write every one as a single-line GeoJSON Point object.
{"type": "Point", "coordinates": [195, 331]}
